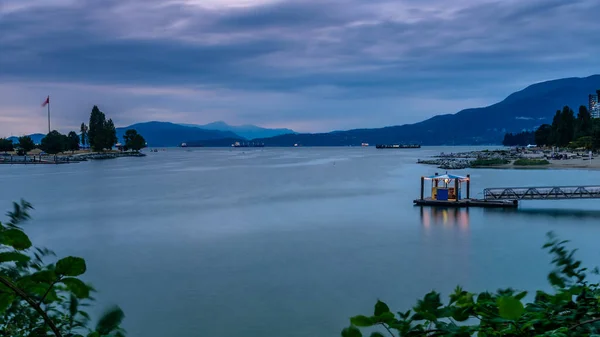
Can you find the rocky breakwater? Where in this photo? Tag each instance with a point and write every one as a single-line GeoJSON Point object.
{"type": "Point", "coordinates": [109, 155]}
{"type": "Point", "coordinates": [461, 160]}
{"type": "Point", "coordinates": [447, 163]}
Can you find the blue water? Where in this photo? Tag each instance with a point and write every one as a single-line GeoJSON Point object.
{"type": "Point", "coordinates": [286, 242]}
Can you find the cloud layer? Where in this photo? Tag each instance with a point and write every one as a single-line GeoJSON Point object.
{"type": "Point", "coordinates": [311, 65]}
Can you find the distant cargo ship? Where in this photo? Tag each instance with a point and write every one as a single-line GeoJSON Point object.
{"type": "Point", "coordinates": [238, 144]}
{"type": "Point", "coordinates": [364, 144]}
{"type": "Point", "coordinates": [398, 146]}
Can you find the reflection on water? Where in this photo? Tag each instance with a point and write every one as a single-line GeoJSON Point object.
{"type": "Point", "coordinates": [447, 217]}
{"type": "Point", "coordinates": [544, 212]}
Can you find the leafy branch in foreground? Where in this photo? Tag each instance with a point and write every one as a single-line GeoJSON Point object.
{"type": "Point", "coordinates": [571, 309]}
{"type": "Point", "coordinates": [38, 299]}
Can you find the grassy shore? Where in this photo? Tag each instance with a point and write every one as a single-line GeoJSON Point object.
{"type": "Point", "coordinates": [531, 162]}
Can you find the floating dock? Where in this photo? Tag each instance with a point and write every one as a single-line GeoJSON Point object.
{"type": "Point", "coordinates": [446, 191]}
{"type": "Point", "coordinates": [468, 203]}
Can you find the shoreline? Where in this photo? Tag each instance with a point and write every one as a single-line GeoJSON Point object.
{"type": "Point", "coordinates": [66, 159]}
{"type": "Point", "coordinates": [463, 160]}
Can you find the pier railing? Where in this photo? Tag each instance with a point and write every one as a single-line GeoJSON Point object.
{"type": "Point", "coordinates": [542, 193]}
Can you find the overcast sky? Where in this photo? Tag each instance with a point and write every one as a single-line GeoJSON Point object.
{"type": "Point", "coordinates": [311, 65]}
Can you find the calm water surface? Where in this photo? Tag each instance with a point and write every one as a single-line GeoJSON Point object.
{"type": "Point", "coordinates": [286, 242]}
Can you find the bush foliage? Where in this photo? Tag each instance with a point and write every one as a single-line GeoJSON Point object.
{"type": "Point", "coordinates": [40, 299]}
{"type": "Point", "coordinates": [571, 309]}
{"type": "Point", "coordinates": [530, 162]}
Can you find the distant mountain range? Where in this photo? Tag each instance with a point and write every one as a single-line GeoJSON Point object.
{"type": "Point", "coordinates": [522, 110]}
{"type": "Point", "coordinates": [525, 109]}
{"type": "Point", "coordinates": [243, 131]}
{"type": "Point", "coordinates": [36, 137]}
{"type": "Point", "coordinates": [164, 134]}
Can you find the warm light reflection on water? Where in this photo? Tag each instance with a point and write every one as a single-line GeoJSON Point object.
{"type": "Point", "coordinates": [446, 217]}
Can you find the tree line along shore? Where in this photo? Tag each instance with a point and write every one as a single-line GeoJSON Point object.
{"type": "Point", "coordinates": [581, 132]}
{"type": "Point", "coordinates": [96, 140]}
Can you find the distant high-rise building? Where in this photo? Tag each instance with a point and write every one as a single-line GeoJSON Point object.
{"type": "Point", "coordinates": [594, 105]}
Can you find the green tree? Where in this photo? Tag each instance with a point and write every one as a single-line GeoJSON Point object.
{"type": "Point", "coordinates": [543, 135]}
{"type": "Point", "coordinates": [96, 133]}
{"type": "Point", "coordinates": [596, 134]}
{"type": "Point", "coordinates": [554, 135]}
{"type": "Point", "coordinates": [6, 145]}
{"type": "Point", "coordinates": [133, 140]}
{"type": "Point", "coordinates": [586, 142]}
{"type": "Point", "coordinates": [40, 299]}
{"type": "Point", "coordinates": [84, 133]}
{"type": "Point", "coordinates": [54, 143]}
{"type": "Point", "coordinates": [26, 144]}
{"type": "Point", "coordinates": [73, 141]}
{"type": "Point", "coordinates": [584, 122]}
{"type": "Point", "coordinates": [571, 309]}
{"type": "Point", "coordinates": [128, 136]}
{"type": "Point", "coordinates": [110, 135]}
{"type": "Point", "coordinates": [566, 126]}
{"type": "Point", "coordinates": [137, 143]}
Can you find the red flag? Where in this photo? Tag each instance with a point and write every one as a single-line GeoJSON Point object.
{"type": "Point", "coordinates": [47, 101]}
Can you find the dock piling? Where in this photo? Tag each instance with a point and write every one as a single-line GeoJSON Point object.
{"type": "Point", "coordinates": [468, 186]}
{"type": "Point", "coordinates": [456, 189]}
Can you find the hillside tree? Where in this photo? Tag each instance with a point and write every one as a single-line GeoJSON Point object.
{"type": "Point", "coordinates": [26, 144]}
{"type": "Point", "coordinates": [543, 135]}
{"type": "Point", "coordinates": [584, 122]}
{"type": "Point", "coordinates": [519, 139]}
{"type": "Point", "coordinates": [72, 141]}
{"type": "Point", "coordinates": [566, 127]}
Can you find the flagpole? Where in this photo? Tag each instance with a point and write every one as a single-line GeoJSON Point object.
{"type": "Point", "coordinates": [48, 114]}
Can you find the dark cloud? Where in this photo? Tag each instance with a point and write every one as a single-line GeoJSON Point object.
{"type": "Point", "coordinates": [328, 49]}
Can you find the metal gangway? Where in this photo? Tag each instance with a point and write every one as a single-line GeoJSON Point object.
{"type": "Point", "coordinates": [542, 193]}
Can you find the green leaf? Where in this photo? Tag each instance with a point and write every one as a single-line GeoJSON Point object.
{"type": "Point", "coordinates": [521, 295]}
{"type": "Point", "coordinates": [351, 331]}
{"type": "Point", "coordinates": [377, 334]}
{"type": "Point", "coordinates": [6, 300]}
{"type": "Point", "coordinates": [77, 287]}
{"type": "Point", "coordinates": [361, 320]}
{"type": "Point", "coordinates": [386, 317]}
{"type": "Point", "coordinates": [461, 314]}
{"type": "Point", "coordinates": [15, 238]}
{"type": "Point", "coordinates": [556, 280]}
{"type": "Point", "coordinates": [13, 257]}
{"type": "Point", "coordinates": [73, 305]}
{"type": "Point", "coordinates": [44, 276]}
{"type": "Point", "coordinates": [110, 321]}
{"type": "Point", "coordinates": [381, 307]}
{"type": "Point", "coordinates": [70, 266]}
{"type": "Point", "coordinates": [94, 334]}
{"type": "Point", "coordinates": [510, 307]}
